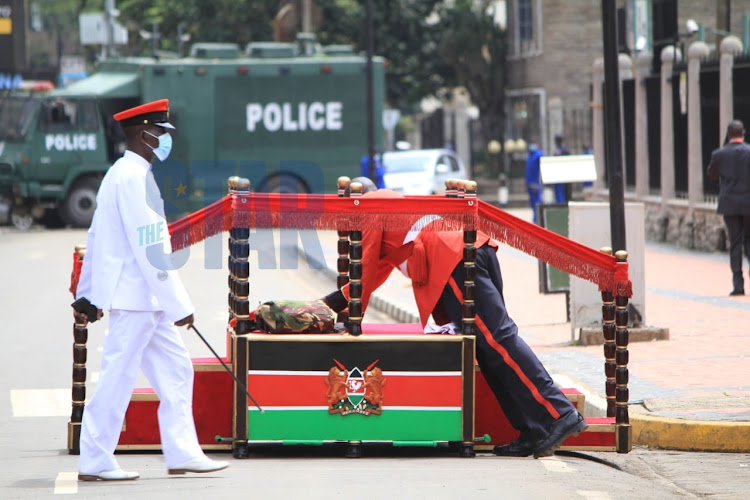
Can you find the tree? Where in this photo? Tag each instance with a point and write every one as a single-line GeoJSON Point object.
{"type": "Point", "coordinates": [404, 34]}
{"type": "Point", "coordinates": [237, 21]}
{"type": "Point", "coordinates": [475, 47]}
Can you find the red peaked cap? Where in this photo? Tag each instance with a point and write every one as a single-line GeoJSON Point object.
{"type": "Point", "coordinates": [156, 112]}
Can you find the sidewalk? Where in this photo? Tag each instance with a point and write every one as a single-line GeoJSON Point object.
{"type": "Point", "coordinates": [691, 392]}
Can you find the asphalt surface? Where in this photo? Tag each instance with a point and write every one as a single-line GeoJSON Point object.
{"type": "Point", "coordinates": [36, 361]}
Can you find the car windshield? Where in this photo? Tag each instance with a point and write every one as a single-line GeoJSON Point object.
{"type": "Point", "coordinates": [16, 113]}
{"type": "Point", "coordinates": [407, 163]}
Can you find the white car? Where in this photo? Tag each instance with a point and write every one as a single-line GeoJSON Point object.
{"type": "Point", "coordinates": [422, 171]}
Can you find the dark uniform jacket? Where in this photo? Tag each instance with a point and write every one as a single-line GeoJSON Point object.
{"type": "Point", "coordinates": [731, 165]}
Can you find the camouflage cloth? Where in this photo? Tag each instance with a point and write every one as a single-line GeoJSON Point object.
{"type": "Point", "coordinates": [295, 316]}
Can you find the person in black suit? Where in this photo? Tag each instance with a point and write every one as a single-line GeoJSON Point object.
{"type": "Point", "coordinates": [731, 166]}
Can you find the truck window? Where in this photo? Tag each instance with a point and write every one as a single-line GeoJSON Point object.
{"type": "Point", "coordinates": [89, 117]}
{"type": "Point", "coordinates": [58, 116]}
{"type": "Point", "coordinates": [16, 114]}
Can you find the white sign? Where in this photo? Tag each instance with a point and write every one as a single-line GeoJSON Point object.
{"type": "Point", "coordinates": [6, 11]}
{"type": "Point", "coordinates": [72, 64]}
{"type": "Point", "coordinates": [70, 142]}
{"type": "Point", "coordinates": [289, 117]}
{"type": "Point", "coordinates": [390, 118]}
{"type": "Point", "coordinates": [92, 28]}
{"type": "Point", "coordinates": [569, 168]}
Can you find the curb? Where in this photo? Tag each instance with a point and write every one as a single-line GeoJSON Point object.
{"type": "Point", "coordinates": [648, 431]}
{"type": "Point", "coordinates": [666, 432]}
{"type": "Point", "coordinates": [690, 435]}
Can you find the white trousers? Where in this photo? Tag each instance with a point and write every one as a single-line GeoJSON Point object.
{"type": "Point", "coordinates": [149, 341]}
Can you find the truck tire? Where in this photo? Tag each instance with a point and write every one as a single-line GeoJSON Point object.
{"type": "Point", "coordinates": [284, 184]}
{"type": "Point", "coordinates": [78, 208]}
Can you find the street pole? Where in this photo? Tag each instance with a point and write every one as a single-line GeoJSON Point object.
{"type": "Point", "coordinates": [370, 106]}
{"type": "Point", "coordinates": [612, 126]}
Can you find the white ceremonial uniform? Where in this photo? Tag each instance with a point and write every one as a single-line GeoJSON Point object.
{"type": "Point", "coordinates": [119, 275]}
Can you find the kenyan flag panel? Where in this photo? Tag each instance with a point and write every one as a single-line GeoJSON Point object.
{"type": "Point", "coordinates": [358, 389]}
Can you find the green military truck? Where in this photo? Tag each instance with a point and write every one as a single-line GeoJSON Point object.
{"type": "Point", "coordinates": [289, 118]}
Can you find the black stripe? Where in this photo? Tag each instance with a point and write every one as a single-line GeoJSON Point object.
{"type": "Point", "coordinates": [320, 355]}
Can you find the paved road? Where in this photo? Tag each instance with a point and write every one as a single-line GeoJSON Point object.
{"type": "Point", "coordinates": [34, 412]}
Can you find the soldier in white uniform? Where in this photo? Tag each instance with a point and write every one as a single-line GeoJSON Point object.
{"type": "Point", "coordinates": [125, 272]}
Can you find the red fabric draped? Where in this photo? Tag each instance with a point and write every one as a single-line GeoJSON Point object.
{"type": "Point", "coordinates": [325, 211]}
{"type": "Point", "coordinates": [198, 226]}
{"type": "Point", "coordinates": [75, 275]}
{"type": "Point", "coordinates": [556, 250]}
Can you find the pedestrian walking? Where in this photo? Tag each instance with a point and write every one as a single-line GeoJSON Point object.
{"type": "Point", "coordinates": [731, 166]}
{"type": "Point", "coordinates": [146, 301]}
{"type": "Point", "coordinates": [532, 177]}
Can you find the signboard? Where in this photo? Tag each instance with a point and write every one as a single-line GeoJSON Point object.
{"type": "Point", "coordinates": [12, 33]}
{"type": "Point", "coordinates": [92, 29]}
{"type": "Point", "coordinates": [566, 169]}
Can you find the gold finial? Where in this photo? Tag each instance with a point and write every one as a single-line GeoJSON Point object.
{"type": "Point", "coordinates": [343, 181]}
{"type": "Point", "coordinates": [233, 181]}
{"type": "Point", "coordinates": [243, 184]}
{"type": "Point", "coordinates": [355, 189]}
{"type": "Point", "coordinates": [470, 185]}
{"type": "Point", "coordinates": [606, 250]}
{"type": "Point", "coordinates": [621, 255]}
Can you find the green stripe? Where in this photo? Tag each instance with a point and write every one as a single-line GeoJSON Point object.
{"type": "Point", "coordinates": [394, 425]}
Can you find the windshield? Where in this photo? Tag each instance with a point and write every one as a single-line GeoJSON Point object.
{"type": "Point", "coordinates": [401, 164]}
{"type": "Point", "coordinates": [15, 116]}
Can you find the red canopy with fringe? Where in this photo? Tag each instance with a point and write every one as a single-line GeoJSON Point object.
{"type": "Point", "coordinates": [324, 211]}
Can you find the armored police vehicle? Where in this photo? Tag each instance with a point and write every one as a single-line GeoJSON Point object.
{"type": "Point", "coordinates": [291, 117]}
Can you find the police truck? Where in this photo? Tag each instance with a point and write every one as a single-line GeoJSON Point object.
{"type": "Point", "coordinates": [291, 117]}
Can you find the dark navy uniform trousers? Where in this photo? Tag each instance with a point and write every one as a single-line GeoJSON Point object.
{"type": "Point", "coordinates": [521, 384]}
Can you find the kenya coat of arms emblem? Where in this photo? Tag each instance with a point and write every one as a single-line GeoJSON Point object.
{"type": "Point", "coordinates": [355, 390]}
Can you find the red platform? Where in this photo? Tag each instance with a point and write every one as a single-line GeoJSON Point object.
{"type": "Point", "coordinates": [213, 409]}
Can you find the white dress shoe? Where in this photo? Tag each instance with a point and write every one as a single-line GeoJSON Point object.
{"type": "Point", "coordinates": [109, 475]}
{"type": "Point", "coordinates": [204, 464]}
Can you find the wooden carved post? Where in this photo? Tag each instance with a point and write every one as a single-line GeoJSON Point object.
{"type": "Point", "coordinates": [608, 316]}
{"type": "Point", "coordinates": [342, 264]}
{"type": "Point", "coordinates": [621, 352]}
{"type": "Point", "coordinates": [355, 270]}
{"type": "Point", "coordinates": [468, 311]}
{"type": "Point", "coordinates": [239, 264]}
{"type": "Point", "coordinates": [80, 338]}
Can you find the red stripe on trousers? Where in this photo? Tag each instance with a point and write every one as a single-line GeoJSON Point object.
{"type": "Point", "coordinates": [506, 357]}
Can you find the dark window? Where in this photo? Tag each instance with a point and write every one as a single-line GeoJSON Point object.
{"type": "Point", "coordinates": [89, 116]}
{"type": "Point", "coordinates": [525, 21]}
{"type": "Point", "coordinates": [58, 116]}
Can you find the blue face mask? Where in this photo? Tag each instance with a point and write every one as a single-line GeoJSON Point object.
{"type": "Point", "coordinates": [165, 145]}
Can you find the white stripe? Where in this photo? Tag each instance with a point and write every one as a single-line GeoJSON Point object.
{"type": "Point", "coordinates": [594, 494]}
{"type": "Point", "coordinates": [40, 402]}
{"type": "Point", "coordinates": [556, 465]}
{"type": "Point", "coordinates": [66, 483]}
{"type": "Point", "coordinates": [325, 373]}
{"type": "Point", "coordinates": [385, 408]}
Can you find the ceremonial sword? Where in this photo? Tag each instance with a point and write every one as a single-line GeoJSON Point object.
{"type": "Point", "coordinates": [229, 370]}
